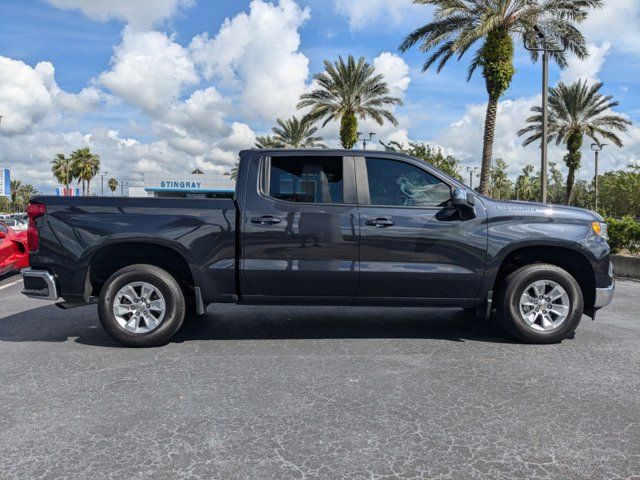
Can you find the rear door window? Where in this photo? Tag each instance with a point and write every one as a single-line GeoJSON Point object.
{"type": "Point", "coordinates": [305, 179]}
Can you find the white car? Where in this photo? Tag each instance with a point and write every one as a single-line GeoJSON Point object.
{"type": "Point", "coordinates": [15, 224]}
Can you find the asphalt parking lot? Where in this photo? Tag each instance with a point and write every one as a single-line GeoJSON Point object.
{"type": "Point", "coordinates": [301, 393]}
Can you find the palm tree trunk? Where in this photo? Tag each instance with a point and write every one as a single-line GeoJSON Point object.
{"type": "Point", "coordinates": [88, 187]}
{"type": "Point", "coordinates": [572, 160]}
{"type": "Point", "coordinates": [487, 149]}
{"type": "Point", "coordinates": [348, 130]}
{"type": "Point", "coordinates": [571, 178]}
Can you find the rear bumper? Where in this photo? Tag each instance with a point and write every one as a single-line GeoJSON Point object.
{"type": "Point", "coordinates": [39, 284]}
{"type": "Point", "coordinates": [604, 295]}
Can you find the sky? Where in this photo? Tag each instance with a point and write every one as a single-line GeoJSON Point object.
{"type": "Point", "coordinates": [166, 86]}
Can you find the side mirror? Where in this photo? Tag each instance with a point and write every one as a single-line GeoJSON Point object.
{"type": "Point", "coordinates": [3, 235]}
{"type": "Point", "coordinates": [462, 198]}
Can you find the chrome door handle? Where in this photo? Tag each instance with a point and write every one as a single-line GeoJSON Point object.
{"type": "Point", "coordinates": [379, 222]}
{"type": "Point", "coordinates": [266, 220]}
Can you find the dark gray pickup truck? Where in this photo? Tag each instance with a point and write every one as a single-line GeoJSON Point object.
{"type": "Point", "coordinates": [321, 227]}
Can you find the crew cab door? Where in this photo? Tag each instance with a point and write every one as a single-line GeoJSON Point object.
{"type": "Point", "coordinates": [300, 227]}
{"type": "Point", "coordinates": [412, 243]}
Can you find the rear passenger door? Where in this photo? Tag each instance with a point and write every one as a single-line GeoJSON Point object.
{"type": "Point", "coordinates": [300, 228]}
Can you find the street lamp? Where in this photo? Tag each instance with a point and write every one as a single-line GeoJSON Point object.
{"type": "Point", "coordinates": [471, 172]}
{"type": "Point", "coordinates": [596, 147]}
{"type": "Point", "coordinates": [123, 183]}
{"type": "Point", "coordinates": [364, 140]}
{"type": "Point", "coordinates": [102, 175]}
{"type": "Point", "coordinates": [537, 41]}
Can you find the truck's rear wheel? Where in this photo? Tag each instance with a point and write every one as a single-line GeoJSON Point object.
{"type": "Point", "coordinates": [540, 303]}
{"type": "Point", "coordinates": [141, 306]}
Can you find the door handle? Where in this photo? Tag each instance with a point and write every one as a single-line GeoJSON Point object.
{"type": "Point", "coordinates": [266, 220]}
{"type": "Point", "coordinates": [379, 222]}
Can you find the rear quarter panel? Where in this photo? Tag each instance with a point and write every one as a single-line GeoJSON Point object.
{"type": "Point", "coordinates": [74, 229]}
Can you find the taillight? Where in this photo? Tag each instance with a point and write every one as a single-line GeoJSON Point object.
{"type": "Point", "coordinates": [34, 210]}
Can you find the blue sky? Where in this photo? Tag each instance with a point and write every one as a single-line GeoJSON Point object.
{"type": "Point", "coordinates": [167, 85]}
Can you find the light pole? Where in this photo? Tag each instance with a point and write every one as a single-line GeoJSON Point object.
{"type": "Point", "coordinates": [364, 140]}
{"type": "Point", "coordinates": [537, 41]}
{"type": "Point", "coordinates": [471, 172]}
{"type": "Point", "coordinates": [123, 183]}
{"type": "Point", "coordinates": [596, 147]}
{"type": "Point", "coordinates": [102, 175]}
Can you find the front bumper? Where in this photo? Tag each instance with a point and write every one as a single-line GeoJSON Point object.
{"type": "Point", "coordinates": [604, 295]}
{"type": "Point", "coordinates": [39, 284]}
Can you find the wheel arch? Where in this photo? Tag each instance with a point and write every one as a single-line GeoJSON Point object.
{"type": "Point", "coordinates": [569, 259]}
{"type": "Point", "coordinates": [111, 257]}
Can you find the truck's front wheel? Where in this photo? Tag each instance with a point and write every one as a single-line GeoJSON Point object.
{"type": "Point", "coordinates": [540, 303]}
{"type": "Point", "coordinates": [141, 306]}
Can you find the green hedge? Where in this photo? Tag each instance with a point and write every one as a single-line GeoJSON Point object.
{"type": "Point", "coordinates": [624, 234]}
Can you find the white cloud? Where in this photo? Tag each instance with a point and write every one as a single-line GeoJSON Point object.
{"type": "Point", "coordinates": [395, 71]}
{"type": "Point", "coordinates": [149, 70]}
{"type": "Point", "coordinates": [256, 54]}
{"type": "Point", "coordinates": [140, 14]}
{"type": "Point", "coordinates": [31, 95]}
{"type": "Point", "coordinates": [362, 13]}
{"type": "Point", "coordinates": [464, 138]}
{"type": "Point", "coordinates": [618, 23]}
{"type": "Point", "coordinates": [589, 68]}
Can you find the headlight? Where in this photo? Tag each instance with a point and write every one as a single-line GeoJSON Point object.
{"type": "Point", "coordinates": [600, 229]}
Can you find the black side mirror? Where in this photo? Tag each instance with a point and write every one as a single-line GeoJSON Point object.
{"type": "Point", "coordinates": [462, 198]}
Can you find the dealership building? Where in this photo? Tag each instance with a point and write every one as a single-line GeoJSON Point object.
{"type": "Point", "coordinates": [194, 185]}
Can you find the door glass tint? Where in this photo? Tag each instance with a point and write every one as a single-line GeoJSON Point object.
{"type": "Point", "coordinates": [397, 183]}
{"type": "Point", "coordinates": [306, 179]}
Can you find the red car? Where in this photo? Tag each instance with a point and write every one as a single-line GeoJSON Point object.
{"type": "Point", "coordinates": [13, 250]}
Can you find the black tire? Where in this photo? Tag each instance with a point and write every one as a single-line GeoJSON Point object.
{"type": "Point", "coordinates": [508, 303]}
{"type": "Point", "coordinates": [174, 302]}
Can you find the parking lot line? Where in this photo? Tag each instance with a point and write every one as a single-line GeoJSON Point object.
{"type": "Point", "coordinates": [9, 284]}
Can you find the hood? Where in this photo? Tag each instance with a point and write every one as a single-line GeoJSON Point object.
{"type": "Point", "coordinates": [511, 207]}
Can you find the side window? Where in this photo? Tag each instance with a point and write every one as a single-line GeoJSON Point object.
{"type": "Point", "coordinates": [3, 229]}
{"type": "Point", "coordinates": [305, 179]}
{"type": "Point", "coordinates": [392, 182]}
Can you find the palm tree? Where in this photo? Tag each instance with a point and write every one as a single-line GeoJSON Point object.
{"type": "Point", "coordinates": [62, 169]}
{"type": "Point", "coordinates": [458, 25]}
{"type": "Point", "coordinates": [268, 142]}
{"type": "Point", "coordinates": [27, 192]}
{"type": "Point", "coordinates": [234, 172]}
{"type": "Point", "coordinates": [16, 199]}
{"type": "Point", "coordinates": [112, 183]}
{"type": "Point", "coordinates": [526, 185]}
{"type": "Point", "coordinates": [295, 133]}
{"type": "Point", "coordinates": [348, 91]}
{"type": "Point", "coordinates": [86, 165]}
{"type": "Point", "coordinates": [577, 110]}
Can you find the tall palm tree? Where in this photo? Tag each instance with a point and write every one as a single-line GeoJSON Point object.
{"type": "Point", "coordinates": [295, 133]}
{"type": "Point", "coordinates": [112, 183]}
{"type": "Point", "coordinates": [86, 165]}
{"type": "Point", "coordinates": [348, 91]}
{"type": "Point", "coordinates": [458, 25]}
{"type": "Point", "coordinates": [268, 142]}
{"type": "Point", "coordinates": [577, 110]}
{"type": "Point", "coordinates": [62, 169]}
